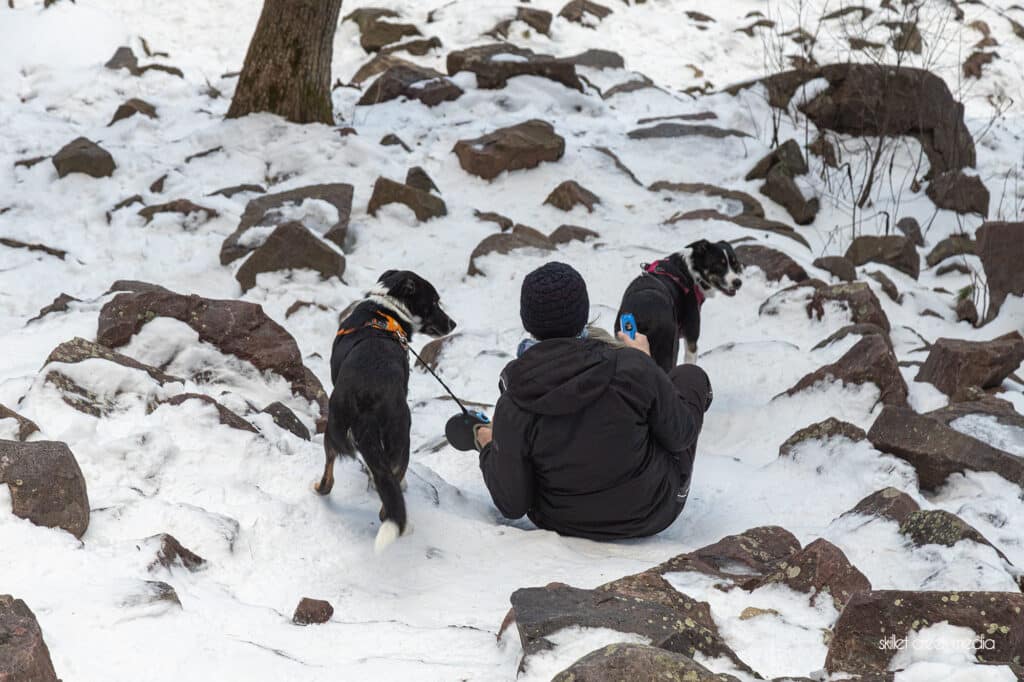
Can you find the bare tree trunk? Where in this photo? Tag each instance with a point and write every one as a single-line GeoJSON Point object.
{"type": "Point", "coordinates": [287, 69]}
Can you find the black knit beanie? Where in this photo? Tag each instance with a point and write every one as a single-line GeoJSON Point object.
{"type": "Point", "coordinates": [554, 302]}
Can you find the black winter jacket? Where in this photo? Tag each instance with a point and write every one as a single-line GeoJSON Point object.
{"type": "Point", "coordinates": [593, 441]}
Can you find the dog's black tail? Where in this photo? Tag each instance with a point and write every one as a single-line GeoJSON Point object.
{"type": "Point", "coordinates": [372, 444]}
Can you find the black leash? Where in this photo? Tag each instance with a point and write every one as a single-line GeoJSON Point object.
{"type": "Point", "coordinates": [439, 380]}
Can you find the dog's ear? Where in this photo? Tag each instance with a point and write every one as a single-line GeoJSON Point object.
{"type": "Point", "coordinates": [388, 274]}
{"type": "Point", "coordinates": [408, 287]}
{"type": "Point", "coordinates": [699, 246]}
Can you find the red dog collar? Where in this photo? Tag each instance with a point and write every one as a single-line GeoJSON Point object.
{"type": "Point", "coordinates": [655, 268]}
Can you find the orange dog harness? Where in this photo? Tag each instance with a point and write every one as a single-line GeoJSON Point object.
{"type": "Point", "coordinates": [385, 323]}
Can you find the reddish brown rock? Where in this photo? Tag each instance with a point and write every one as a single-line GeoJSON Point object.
{"type": "Point", "coordinates": [286, 419]}
{"type": "Point", "coordinates": [839, 266]}
{"type": "Point", "coordinates": [956, 191]}
{"type": "Point", "coordinates": [775, 264]}
{"type": "Point", "coordinates": [182, 206]}
{"type": "Point", "coordinates": [564, 234]}
{"type": "Point", "coordinates": [506, 242]}
{"type": "Point", "coordinates": [750, 205]}
{"type": "Point", "coordinates": [888, 503]}
{"type": "Point", "coordinates": [820, 567]}
{"type": "Point", "coordinates": [46, 485]}
{"type": "Point", "coordinates": [224, 415]}
{"type": "Point", "coordinates": [26, 427]}
{"type": "Point", "coordinates": [412, 82]}
{"type": "Point", "coordinates": [570, 194]}
{"type": "Point", "coordinates": [170, 553]}
{"type": "Point", "coordinates": [132, 107]}
{"type": "Point", "coordinates": [863, 329]}
{"type": "Point", "coordinates": [312, 612]}
{"type": "Point", "coordinates": [291, 247]}
{"type": "Point", "coordinates": [895, 251]}
{"type": "Point", "coordinates": [743, 557]}
{"type": "Point", "coordinates": [1001, 250]}
{"type": "Point", "coordinates": [580, 11]}
{"type": "Point", "coordinates": [963, 369]}
{"type": "Point", "coordinates": [954, 245]}
{"type": "Point", "coordinates": [24, 656]}
{"type": "Point", "coordinates": [618, 662]}
{"type": "Point", "coordinates": [869, 361]}
{"type": "Point", "coordinates": [939, 527]}
{"type": "Point", "coordinates": [517, 147]}
{"type": "Point", "coordinates": [84, 156]}
{"type": "Point", "coordinates": [751, 222]}
{"type": "Point", "coordinates": [422, 203]}
{"type": "Point", "coordinates": [823, 430]}
{"type": "Point", "coordinates": [494, 64]}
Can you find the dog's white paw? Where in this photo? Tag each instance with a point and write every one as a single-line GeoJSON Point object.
{"type": "Point", "coordinates": [387, 534]}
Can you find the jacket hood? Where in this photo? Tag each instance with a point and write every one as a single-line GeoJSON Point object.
{"type": "Point", "coordinates": [560, 376]}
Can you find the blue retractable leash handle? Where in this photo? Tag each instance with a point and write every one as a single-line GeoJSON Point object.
{"type": "Point", "coordinates": [628, 324]}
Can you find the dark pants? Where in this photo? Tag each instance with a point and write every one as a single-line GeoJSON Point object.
{"type": "Point", "coordinates": [693, 385]}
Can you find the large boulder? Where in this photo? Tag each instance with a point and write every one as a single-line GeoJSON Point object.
{"type": "Point", "coordinates": [962, 369]}
{"type": "Point", "coordinates": [820, 567]}
{"type": "Point", "coordinates": [872, 100]}
{"type": "Point", "coordinates": [956, 191]}
{"type": "Point", "coordinates": [494, 64]}
{"type": "Point", "coordinates": [874, 617]}
{"type": "Point", "coordinates": [84, 156]}
{"type": "Point", "coordinates": [774, 263]}
{"type": "Point", "coordinates": [237, 328]}
{"type": "Point", "coordinates": [270, 210]}
{"type": "Point", "coordinates": [291, 247]}
{"type": "Point", "coordinates": [869, 361]}
{"type": "Point", "coordinates": [412, 82]}
{"type": "Point", "coordinates": [424, 204]}
{"type": "Point", "coordinates": [1001, 250]}
{"type": "Point", "coordinates": [936, 450]}
{"type": "Point", "coordinates": [46, 484]}
{"type": "Point", "coordinates": [517, 147]}
{"type": "Point", "coordinates": [618, 662]}
{"type": "Point", "coordinates": [24, 656]}
{"type": "Point", "coordinates": [894, 251]}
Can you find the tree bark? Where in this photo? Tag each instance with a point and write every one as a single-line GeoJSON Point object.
{"type": "Point", "coordinates": [287, 69]}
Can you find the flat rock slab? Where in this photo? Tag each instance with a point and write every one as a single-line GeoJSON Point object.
{"type": "Point", "coordinates": [237, 328]}
{"type": "Point", "coordinates": [517, 147]}
{"type": "Point", "coordinates": [24, 656]}
{"type": "Point", "coordinates": [291, 247]}
{"type": "Point", "coordinates": [869, 361]}
{"type": "Point", "coordinates": [936, 451]}
{"type": "Point", "coordinates": [494, 64]}
{"type": "Point", "coordinates": [963, 369]}
{"type": "Point", "coordinates": [670, 129]}
{"type": "Point", "coordinates": [618, 662]}
{"type": "Point", "coordinates": [871, 617]}
{"type": "Point", "coordinates": [264, 211]}
{"type": "Point", "coordinates": [47, 486]}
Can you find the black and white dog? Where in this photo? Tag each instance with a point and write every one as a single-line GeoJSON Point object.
{"type": "Point", "coordinates": [666, 298]}
{"type": "Point", "coordinates": [369, 412]}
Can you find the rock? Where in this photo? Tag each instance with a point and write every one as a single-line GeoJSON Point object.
{"type": "Point", "coordinates": [182, 206]}
{"type": "Point", "coordinates": [79, 349]}
{"type": "Point", "coordinates": [24, 656]}
{"type": "Point", "coordinates": [291, 247]}
{"type": "Point", "coordinates": [888, 503]}
{"type": "Point", "coordinates": [521, 146]}
{"type": "Point", "coordinates": [238, 189]}
{"type": "Point", "coordinates": [858, 298]}
{"type": "Point", "coordinates": [775, 264]}
{"type": "Point", "coordinates": [286, 419]}
{"type": "Point", "coordinates": [888, 286]}
{"type": "Point", "coordinates": [46, 485]}
{"type": "Point", "coordinates": [644, 604]}
{"type": "Point", "coordinates": [911, 230]}
{"type": "Point", "coordinates": [824, 150]}
{"type": "Point", "coordinates": [84, 156]}
{"type": "Point", "coordinates": [132, 107]}
{"type": "Point", "coordinates": [537, 19]}
{"type": "Point", "coordinates": [862, 329]}
{"type": "Point", "coordinates": [564, 234]}
{"type": "Point", "coordinates": [312, 612]}
{"type": "Point", "coordinates": [617, 662]}
{"type": "Point", "coordinates": [961, 369]}
{"type": "Point", "coordinates": [894, 251]}
{"type": "Point", "coordinates": [872, 617]}
{"type": "Point", "coordinates": [838, 266]}
{"type": "Point", "coordinates": [153, 593]}
{"type": "Point", "coordinates": [951, 246]}
{"type": "Point", "coordinates": [392, 140]}
{"type": "Point", "coordinates": [504, 243]}
{"type": "Point", "coordinates": [818, 567]}
{"type": "Point", "coordinates": [750, 205]}
{"type": "Point", "coordinates": [378, 34]}
{"type": "Point", "coordinates": [419, 48]}
{"type": "Point", "coordinates": [41, 248]}
{"type": "Point", "coordinates": [750, 222]}
{"type": "Point", "coordinates": [672, 130]}
{"type": "Point", "coordinates": [959, 192]}
{"type": "Point", "coordinates": [975, 64]}
{"type": "Point", "coordinates": [504, 223]}
{"type": "Point", "coordinates": [267, 211]}
{"type": "Point", "coordinates": [950, 268]}
{"type": "Point", "coordinates": [939, 527]}
{"type": "Point", "coordinates": [430, 356]}
{"type": "Point", "coordinates": [1001, 250]}
{"type": "Point", "coordinates": [906, 36]}
{"type": "Point", "coordinates": [967, 312]}
{"type": "Point", "coordinates": [170, 553]}
{"type": "Point", "coordinates": [494, 64]}
{"type": "Point", "coordinates": [936, 450]}
{"type": "Point", "coordinates": [26, 427]}
{"type": "Point", "coordinates": [570, 194]}
{"type": "Point", "coordinates": [418, 178]}
{"type": "Point", "coordinates": [788, 155]}
{"type": "Point", "coordinates": [123, 58]}
{"type": "Point", "coordinates": [237, 328]}
{"type": "Point", "coordinates": [596, 59]}
{"type": "Point", "coordinates": [579, 11]}
{"type": "Point", "coordinates": [424, 204]}
{"type": "Point", "coordinates": [823, 430]}
{"type": "Point", "coordinates": [869, 361]}
{"type": "Point", "coordinates": [746, 556]}
{"type": "Point", "coordinates": [224, 415]}
{"type": "Point", "coordinates": [412, 82]}
{"type": "Point", "coordinates": [990, 406]}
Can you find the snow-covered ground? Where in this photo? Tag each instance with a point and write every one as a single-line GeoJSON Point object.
{"type": "Point", "coordinates": [430, 608]}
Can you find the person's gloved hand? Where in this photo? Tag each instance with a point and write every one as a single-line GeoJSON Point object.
{"type": "Point", "coordinates": [461, 429]}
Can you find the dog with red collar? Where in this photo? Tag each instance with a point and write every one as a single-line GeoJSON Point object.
{"type": "Point", "coordinates": [369, 413]}
{"type": "Point", "coordinates": [666, 299]}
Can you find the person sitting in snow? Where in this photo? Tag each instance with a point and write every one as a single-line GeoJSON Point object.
{"type": "Point", "coordinates": [590, 438]}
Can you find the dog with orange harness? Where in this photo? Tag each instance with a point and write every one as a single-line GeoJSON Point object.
{"type": "Point", "coordinates": [369, 413]}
